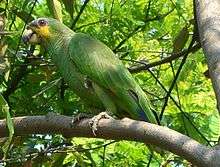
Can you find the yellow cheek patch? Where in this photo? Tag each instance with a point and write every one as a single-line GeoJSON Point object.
{"type": "Point", "coordinates": [44, 32]}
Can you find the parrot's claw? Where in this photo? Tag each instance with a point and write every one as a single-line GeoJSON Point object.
{"type": "Point", "coordinates": [95, 120]}
{"type": "Point", "coordinates": [79, 117]}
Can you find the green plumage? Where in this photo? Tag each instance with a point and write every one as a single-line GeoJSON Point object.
{"type": "Point", "coordinates": [81, 59]}
{"type": "Point", "coordinates": [107, 71]}
{"type": "Point", "coordinates": [58, 50]}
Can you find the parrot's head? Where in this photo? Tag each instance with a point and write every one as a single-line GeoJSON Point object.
{"type": "Point", "coordinates": [44, 29]}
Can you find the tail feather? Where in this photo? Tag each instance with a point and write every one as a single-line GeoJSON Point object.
{"type": "Point", "coordinates": [143, 116]}
{"type": "Point", "coordinates": [145, 112]}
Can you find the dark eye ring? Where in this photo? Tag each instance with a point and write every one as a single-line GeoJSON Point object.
{"type": "Point", "coordinates": [42, 22]}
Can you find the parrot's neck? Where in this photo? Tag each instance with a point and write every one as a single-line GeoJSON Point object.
{"type": "Point", "coordinates": [57, 36]}
{"type": "Point", "coordinates": [58, 41]}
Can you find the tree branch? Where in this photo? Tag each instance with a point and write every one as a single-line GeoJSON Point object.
{"type": "Point", "coordinates": [208, 19]}
{"type": "Point", "coordinates": [173, 56]}
{"type": "Point", "coordinates": [139, 131]}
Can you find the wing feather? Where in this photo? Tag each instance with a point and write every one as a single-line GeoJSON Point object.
{"type": "Point", "coordinates": [103, 67]}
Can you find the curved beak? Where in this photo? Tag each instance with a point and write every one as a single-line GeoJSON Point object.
{"type": "Point", "coordinates": [29, 36]}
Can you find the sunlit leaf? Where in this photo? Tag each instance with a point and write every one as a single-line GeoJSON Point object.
{"type": "Point", "coordinates": [193, 130]}
{"type": "Point", "coordinates": [5, 111]}
{"type": "Point", "coordinates": [55, 9]}
{"type": "Point", "coordinates": [214, 126]}
{"type": "Point", "coordinates": [23, 15]}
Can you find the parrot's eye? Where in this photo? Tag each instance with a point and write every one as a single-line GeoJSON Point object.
{"type": "Point", "coordinates": [42, 22]}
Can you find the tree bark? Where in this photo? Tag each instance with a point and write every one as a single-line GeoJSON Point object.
{"type": "Point", "coordinates": [162, 137]}
{"type": "Point", "coordinates": [208, 19]}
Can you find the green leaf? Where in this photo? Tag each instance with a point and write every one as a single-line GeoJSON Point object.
{"type": "Point", "coordinates": [69, 6]}
{"type": "Point", "coordinates": [5, 110]}
{"type": "Point", "coordinates": [55, 9]}
{"type": "Point", "coordinates": [192, 129]}
{"type": "Point", "coordinates": [214, 126]}
{"type": "Point", "coordinates": [58, 159]}
{"type": "Point", "coordinates": [4, 63]}
{"type": "Point", "coordinates": [181, 39]}
{"type": "Point", "coordinates": [23, 15]}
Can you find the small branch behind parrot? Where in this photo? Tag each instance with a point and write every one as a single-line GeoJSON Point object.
{"type": "Point", "coordinates": [7, 32]}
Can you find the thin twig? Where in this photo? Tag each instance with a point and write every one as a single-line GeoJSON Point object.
{"type": "Point", "coordinates": [22, 71]}
{"type": "Point", "coordinates": [139, 27]}
{"type": "Point", "coordinates": [165, 60]}
{"type": "Point", "coordinates": [110, 13]}
{"type": "Point", "coordinates": [176, 103]}
{"type": "Point", "coordinates": [150, 159]}
{"type": "Point", "coordinates": [79, 14]}
{"type": "Point", "coordinates": [89, 24]}
{"type": "Point", "coordinates": [51, 149]}
{"type": "Point", "coordinates": [179, 107]}
{"type": "Point", "coordinates": [7, 32]}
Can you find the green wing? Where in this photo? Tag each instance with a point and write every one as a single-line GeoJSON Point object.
{"type": "Point", "coordinates": [99, 63]}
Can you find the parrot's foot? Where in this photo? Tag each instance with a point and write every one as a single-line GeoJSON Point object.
{"type": "Point", "coordinates": [79, 117]}
{"type": "Point", "coordinates": [95, 120]}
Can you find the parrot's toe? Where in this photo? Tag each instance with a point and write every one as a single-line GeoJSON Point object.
{"type": "Point", "coordinates": [95, 120]}
{"type": "Point", "coordinates": [79, 117]}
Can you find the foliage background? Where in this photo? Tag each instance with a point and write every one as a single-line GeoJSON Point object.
{"type": "Point", "coordinates": [138, 31]}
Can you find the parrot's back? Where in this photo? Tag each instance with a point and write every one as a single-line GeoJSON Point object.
{"type": "Point", "coordinates": [101, 66]}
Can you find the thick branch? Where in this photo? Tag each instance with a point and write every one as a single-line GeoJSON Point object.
{"type": "Point", "coordinates": [208, 18]}
{"type": "Point", "coordinates": [139, 131]}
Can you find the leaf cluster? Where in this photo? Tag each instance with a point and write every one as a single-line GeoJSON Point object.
{"type": "Point", "coordinates": [139, 32]}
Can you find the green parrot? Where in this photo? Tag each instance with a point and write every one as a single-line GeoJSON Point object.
{"type": "Point", "coordinates": [92, 70]}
